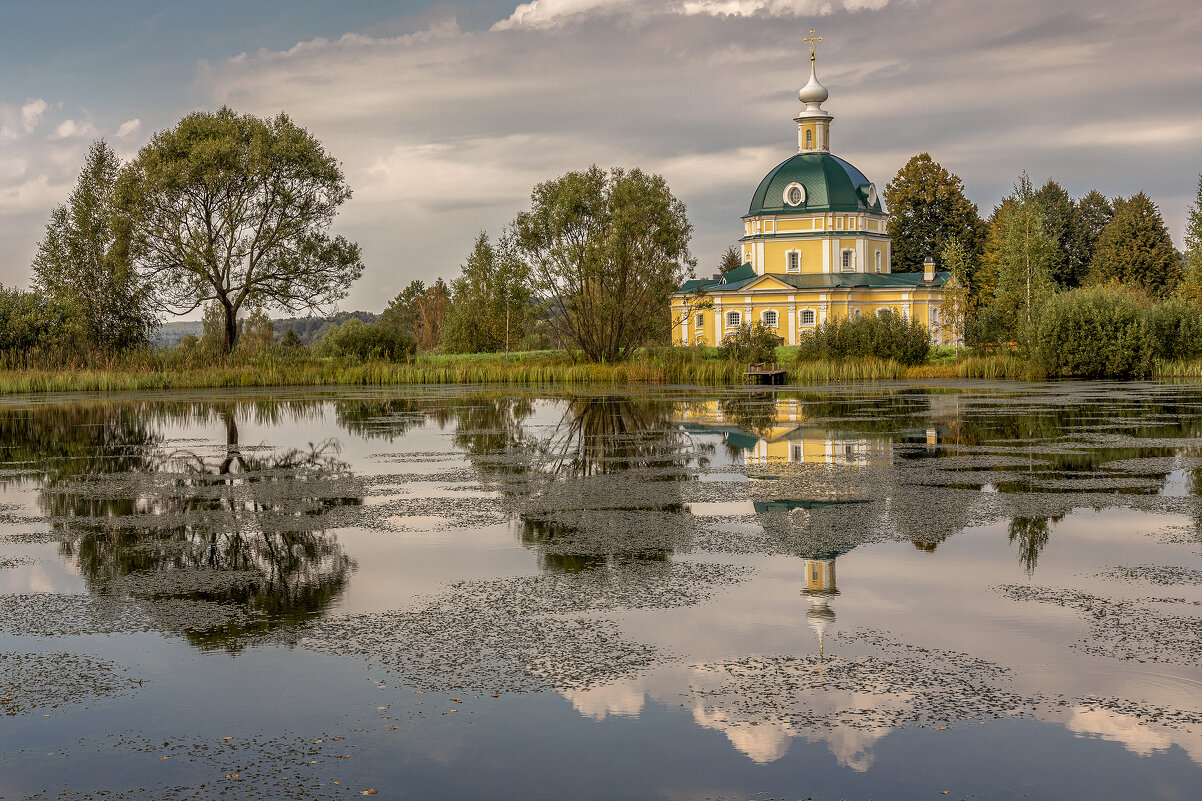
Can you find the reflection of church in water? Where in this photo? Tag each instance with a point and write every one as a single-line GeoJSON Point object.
{"type": "Point", "coordinates": [813, 485]}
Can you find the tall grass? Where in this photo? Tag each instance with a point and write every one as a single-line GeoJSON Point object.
{"type": "Point", "coordinates": [165, 369]}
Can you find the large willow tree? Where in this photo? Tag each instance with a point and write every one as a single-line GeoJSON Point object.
{"type": "Point", "coordinates": [605, 250]}
{"type": "Point", "coordinates": [235, 209]}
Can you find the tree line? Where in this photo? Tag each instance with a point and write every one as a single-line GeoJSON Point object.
{"type": "Point", "coordinates": [230, 214]}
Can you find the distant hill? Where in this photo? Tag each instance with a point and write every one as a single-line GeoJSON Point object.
{"type": "Point", "coordinates": [308, 329]}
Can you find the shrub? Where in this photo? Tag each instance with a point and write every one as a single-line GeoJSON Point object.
{"type": "Point", "coordinates": [1097, 332]}
{"type": "Point", "coordinates": [1176, 329]}
{"type": "Point", "coordinates": [751, 343]}
{"type": "Point", "coordinates": [367, 341]}
{"type": "Point", "coordinates": [884, 336]}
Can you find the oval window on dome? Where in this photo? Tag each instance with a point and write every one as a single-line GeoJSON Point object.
{"type": "Point", "coordinates": [794, 194]}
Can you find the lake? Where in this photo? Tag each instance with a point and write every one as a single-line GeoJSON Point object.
{"type": "Point", "coordinates": [970, 591]}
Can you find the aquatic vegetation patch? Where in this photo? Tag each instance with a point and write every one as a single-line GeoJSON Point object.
{"type": "Point", "coordinates": [50, 615]}
{"type": "Point", "coordinates": [1123, 629]}
{"type": "Point", "coordinates": [261, 767]}
{"type": "Point", "coordinates": [1170, 717]}
{"type": "Point", "coordinates": [33, 683]}
{"type": "Point", "coordinates": [522, 634]}
{"type": "Point", "coordinates": [894, 685]}
{"type": "Point", "coordinates": [8, 563]}
{"type": "Point", "coordinates": [1164, 575]}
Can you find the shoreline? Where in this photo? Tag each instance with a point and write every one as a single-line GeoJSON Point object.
{"type": "Point", "coordinates": [520, 370]}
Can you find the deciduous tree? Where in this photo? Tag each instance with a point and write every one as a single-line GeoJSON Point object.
{"type": "Point", "coordinates": [927, 207]}
{"type": "Point", "coordinates": [1018, 251]}
{"type": "Point", "coordinates": [605, 250]}
{"type": "Point", "coordinates": [83, 264]}
{"type": "Point", "coordinates": [1191, 285]}
{"type": "Point", "coordinates": [490, 300]}
{"type": "Point", "coordinates": [235, 209]}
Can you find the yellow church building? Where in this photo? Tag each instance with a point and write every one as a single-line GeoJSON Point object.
{"type": "Point", "coordinates": [815, 247]}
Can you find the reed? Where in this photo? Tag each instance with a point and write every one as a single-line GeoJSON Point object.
{"type": "Point", "coordinates": [1177, 368]}
{"type": "Point", "coordinates": [159, 369]}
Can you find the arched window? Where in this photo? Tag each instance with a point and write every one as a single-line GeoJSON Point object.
{"type": "Point", "coordinates": [856, 314]}
{"type": "Point", "coordinates": [878, 261]}
{"type": "Point", "coordinates": [849, 260]}
{"type": "Point", "coordinates": [809, 140]}
{"type": "Point", "coordinates": [793, 262]}
{"type": "Point", "coordinates": [734, 319]}
{"type": "Point", "coordinates": [769, 319]}
{"type": "Point", "coordinates": [808, 316]}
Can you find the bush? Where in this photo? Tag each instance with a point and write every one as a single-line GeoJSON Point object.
{"type": "Point", "coordinates": [1097, 332]}
{"type": "Point", "coordinates": [884, 336]}
{"type": "Point", "coordinates": [362, 340]}
{"type": "Point", "coordinates": [752, 344]}
{"type": "Point", "coordinates": [32, 324]}
{"type": "Point", "coordinates": [1176, 329]}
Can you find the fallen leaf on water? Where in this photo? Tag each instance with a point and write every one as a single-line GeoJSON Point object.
{"type": "Point", "coordinates": [368, 792]}
{"type": "Point", "coordinates": [456, 700]}
{"type": "Point", "coordinates": [166, 757]}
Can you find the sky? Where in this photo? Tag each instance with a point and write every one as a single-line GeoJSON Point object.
{"type": "Point", "coordinates": [445, 115]}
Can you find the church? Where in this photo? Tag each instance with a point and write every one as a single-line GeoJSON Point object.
{"type": "Point", "coordinates": [815, 248]}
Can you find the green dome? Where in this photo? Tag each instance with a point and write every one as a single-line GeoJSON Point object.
{"type": "Point", "coordinates": [829, 182]}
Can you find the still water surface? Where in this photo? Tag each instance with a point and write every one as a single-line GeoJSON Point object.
{"type": "Point", "coordinates": [992, 590]}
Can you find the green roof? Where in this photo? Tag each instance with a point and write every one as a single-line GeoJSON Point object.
{"type": "Point", "coordinates": [831, 184]}
{"type": "Point", "coordinates": [822, 281]}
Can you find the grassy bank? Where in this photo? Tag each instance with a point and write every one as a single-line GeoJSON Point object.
{"type": "Point", "coordinates": [166, 370]}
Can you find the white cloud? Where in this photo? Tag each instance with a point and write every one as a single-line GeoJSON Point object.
{"type": "Point", "coordinates": [128, 128]}
{"type": "Point", "coordinates": [31, 113]}
{"type": "Point", "coordinates": [545, 14]}
{"type": "Point", "coordinates": [70, 129]}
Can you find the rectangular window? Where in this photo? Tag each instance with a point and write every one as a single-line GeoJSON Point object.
{"type": "Point", "coordinates": [793, 262]}
{"type": "Point", "coordinates": [849, 260]}
{"type": "Point", "coordinates": [700, 319]}
{"type": "Point", "coordinates": [807, 317]}
{"type": "Point", "coordinates": [733, 319]}
{"type": "Point", "coordinates": [770, 319]}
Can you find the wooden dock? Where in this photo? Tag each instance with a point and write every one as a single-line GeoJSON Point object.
{"type": "Point", "coordinates": [766, 373]}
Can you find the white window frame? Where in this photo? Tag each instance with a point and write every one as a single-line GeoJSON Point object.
{"type": "Point", "coordinates": [699, 319]}
{"type": "Point", "coordinates": [847, 260]}
{"type": "Point", "coordinates": [878, 260]}
{"type": "Point", "coordinates": [881, 311]}
{"type": "Point", "coordinates": [855, 313]}
{"type": "Point", "coordinates": [793, 262]}
{"type": "Point", "coordinates": [775, 318]}
{"type": "Point", "coordinates": [801, 318]}
{"type": "Point", "coordinates": [735, 315]}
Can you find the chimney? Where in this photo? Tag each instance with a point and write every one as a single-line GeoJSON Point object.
{"type": "Point", "coordinates": [928, 271]}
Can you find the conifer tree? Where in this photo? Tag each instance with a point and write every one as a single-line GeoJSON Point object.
{"type": "Point", "coordinates": [1062, 220]}
{"type": "Point", "coordinates": [731, 259]}
{"type": "Point", "coordinates": [927, 207]}
{"type": "Point", "coordinates": [1094, 213]}
{"type": "Point", "coordinates": [1135, 249]}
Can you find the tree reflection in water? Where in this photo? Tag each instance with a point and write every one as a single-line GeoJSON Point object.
{"type": "Point", "coordinates": [234, 528]}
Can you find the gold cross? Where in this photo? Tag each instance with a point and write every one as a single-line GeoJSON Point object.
{"type": "Point", "coordinates": [811, 41]}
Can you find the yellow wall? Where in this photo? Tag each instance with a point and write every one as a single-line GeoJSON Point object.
{"type": "Point", "coordinates": [832, 304]}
